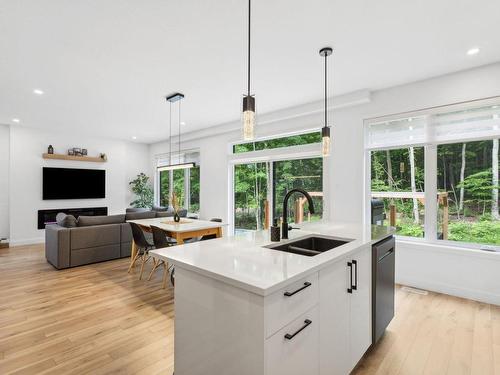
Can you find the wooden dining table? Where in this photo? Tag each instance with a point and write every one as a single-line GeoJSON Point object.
{"type": "Point", "coordinates": [186, 228]}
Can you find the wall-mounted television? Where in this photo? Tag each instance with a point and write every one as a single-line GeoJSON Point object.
{"type": "Point", "coordinates": [71, 183]}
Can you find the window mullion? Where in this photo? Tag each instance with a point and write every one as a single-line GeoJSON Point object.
{"type": "Point", "coordinates": [430, 188]}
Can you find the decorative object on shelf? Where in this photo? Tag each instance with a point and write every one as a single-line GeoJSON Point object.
{"type": "Point", "coordinates": [71, 152]}
{"type": "Point", "coordinates": [173, 98]}
{"type": "Point", "coordinates": [103, 156]}
{"type": "Point", "coordinates": [248, 115]}
{"type": "Point", "coordinates": [143, 192]}
{"type": "Point", "coordinates": [84, 151]}
{"type": "Point", "coordinates": [77, 151]}
{"type": "Point", "coordinates": [176, 207]}
{"type": "Point", "coordinates": [50, 150]}
{"type": "Point", "coordinates": [325, 131]}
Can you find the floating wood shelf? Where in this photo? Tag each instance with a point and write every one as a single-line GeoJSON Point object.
{"type": "Point", "coordinates": [74, 157]}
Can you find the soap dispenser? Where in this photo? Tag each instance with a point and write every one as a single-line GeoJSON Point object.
{"type": "Point", "coordinates": [275, 231]}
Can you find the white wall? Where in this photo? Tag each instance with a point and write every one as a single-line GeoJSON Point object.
{"type": "Point", "coordinates": [4, 181]}
{"type": "Point", "coordinates": [346, 185]}
{"type": "Point", "coordinates": [125, 161]}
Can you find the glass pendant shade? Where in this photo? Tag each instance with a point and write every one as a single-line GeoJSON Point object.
{"type": "Point", "coordinates": [325, 146]}
{"type": "Point", "coordinates": [248, 118]}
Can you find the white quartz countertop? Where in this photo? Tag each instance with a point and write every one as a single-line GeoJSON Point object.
{"type": "Point", "coordinates": [243, 261]}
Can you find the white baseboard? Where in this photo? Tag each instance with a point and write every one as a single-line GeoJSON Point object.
{"type": "Point", "coordinates": [465, 273]}
{"type": "Point", "coordinates": [452, 290]}
{"type": "Point", "coordinates": [26, 241]}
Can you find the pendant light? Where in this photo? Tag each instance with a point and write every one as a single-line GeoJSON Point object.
{"type": "Point", "coordinates": [325, 131]}
{"type": "Point", "coordinates": [173, 98]}
{"type": "Point", "coordinates": [248, 116]}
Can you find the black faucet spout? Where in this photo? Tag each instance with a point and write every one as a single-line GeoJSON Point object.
{"type": "Point", "coordinates": [284, 225]}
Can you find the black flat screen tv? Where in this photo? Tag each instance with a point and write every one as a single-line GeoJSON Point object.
{"type": "Point", "coordinates": [70, 183]}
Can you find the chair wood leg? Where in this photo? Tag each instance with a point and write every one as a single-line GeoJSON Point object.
{"type": "Point", "coordinates": [145, 259]}
{"type": "Point", "coordinates": [132, 264]}
{"type": "Point", "coordinates": [165, 275]}
{"type": "Point", "coordinates": [156, 264]}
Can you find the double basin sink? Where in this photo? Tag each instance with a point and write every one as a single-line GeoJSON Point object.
{"type": "Point", "coordinates": [310, 245]}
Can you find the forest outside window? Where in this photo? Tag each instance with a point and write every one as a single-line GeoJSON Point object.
{"type": "Point", "coordinates": [455, 150]}
{"type": "Point", "coordinates": [398, 180]}
{"type": "Point", "coordinates": [185, 183]}
{"type": "Point", "coordinates": [467, 176]}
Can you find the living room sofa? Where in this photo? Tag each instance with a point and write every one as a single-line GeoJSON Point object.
{"type": "Point", "coordinates": [92, 239]}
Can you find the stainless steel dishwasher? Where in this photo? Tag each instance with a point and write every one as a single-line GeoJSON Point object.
{"type": "Point", "coordinates": [383, 285]}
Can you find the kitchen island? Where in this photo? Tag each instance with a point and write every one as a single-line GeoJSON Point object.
{"type": "Point", "coordinates": [242, 308]}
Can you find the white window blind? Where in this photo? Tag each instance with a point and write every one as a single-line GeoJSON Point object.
{"type": "Point", "coordinates": [448, 124]}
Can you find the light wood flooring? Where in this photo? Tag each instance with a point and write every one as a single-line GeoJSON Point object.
{"type": "Point", "coordinates": [98, 319]}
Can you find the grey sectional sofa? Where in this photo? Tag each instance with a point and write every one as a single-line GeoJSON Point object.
{"type": "Point", "coordinates": [92, 239]}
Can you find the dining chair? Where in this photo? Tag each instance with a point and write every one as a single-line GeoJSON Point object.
{"type": "Point", "coordinates": [160, 240]}
{"type": "Point", "coordinates": [143, 246]}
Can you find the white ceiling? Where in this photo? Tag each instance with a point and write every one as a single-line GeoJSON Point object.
{"type": "Point", "coordinates": [105, 65]}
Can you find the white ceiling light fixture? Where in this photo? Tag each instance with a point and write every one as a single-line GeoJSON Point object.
{"type": "Point", "coordinates": [134, 137]}
{"type": "Point", "coordinates": [38, 92]}
{"type": "Point", "coordinates": [16, 120]}
{"type": "Point", "coordinates": [473, 51]}
{"type": "Point", "coordinates": [173, 98]}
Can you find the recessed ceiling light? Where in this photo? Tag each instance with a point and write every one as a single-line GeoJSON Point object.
{"type": "Point", "coordinates": [183, 123]}
{"type": "Point", "coordinates": [16, 120]}
{"type": "Point", "coordinates": [134, 137]}
{"type": "Point", "coordinates": [38, 91]}
{"type": "Point", "coordinates": [473, 51]}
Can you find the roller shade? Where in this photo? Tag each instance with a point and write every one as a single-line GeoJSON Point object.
{"type": "Point", "coordinates": [469, 124]}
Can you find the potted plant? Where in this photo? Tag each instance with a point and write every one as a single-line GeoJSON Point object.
{"type": "Point", "coordinates": [143, 192]}
{"type": "Point", "coordinates": [176, 207]}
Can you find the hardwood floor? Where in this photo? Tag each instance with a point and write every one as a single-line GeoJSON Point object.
{"type": "Point", "coordinates": [98, 319]}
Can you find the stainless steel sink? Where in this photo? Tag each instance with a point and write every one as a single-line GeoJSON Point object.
{"type": "Point", "coordinates": [310, 245]}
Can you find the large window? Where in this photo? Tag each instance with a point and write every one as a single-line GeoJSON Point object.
{"type": "Point", "coordinates": [455, 150]}
{"type": "Point", "coordinates": [194, 189]}
{"type": "Point", "coordinates": [164, 188]}
{"type": "Point", "coordinates": [250, 195]}
{"type": "Point", "coordinates": [185, 183]}
{"type": "Point", "coordinates": [267, 144]}
{"type": "Point", "coordinates": [468, 182]}
{"type": "Point", "coordinates": [306, 174]}
{"type": "Point", "coordinates": [259, 190]}
{"type": "Point", "coordinates": [398, 181]}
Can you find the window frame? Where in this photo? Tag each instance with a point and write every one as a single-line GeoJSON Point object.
{"type": "Point", "coordinates": [306, 151]}
{"type": "Point", "coordinates": [187, 186]}
{"type": "Point", "coordinates": [430, 171]}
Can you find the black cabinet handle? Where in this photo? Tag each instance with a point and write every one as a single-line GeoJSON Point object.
{"type": "Point", "coordinates": [306, 323]}
{"type": "Point", "coordinates": [349, 290]}
{"type": "Point", "coordinates": [355, 264]}
{"type": "Point", "coordinates": [289, 294]}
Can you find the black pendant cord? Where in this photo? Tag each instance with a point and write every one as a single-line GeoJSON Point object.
{"type": "Point", "coordinates": [170, 136]}
{"type": "Point", "coordinates": [326, 92]}
{"type": "Point", "coordinates": [249, 29]}
{"type": "Point", "coordinates": [179, 156]}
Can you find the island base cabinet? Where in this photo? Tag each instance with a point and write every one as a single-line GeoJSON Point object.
{"type": "Point", "coordinates": [345, 313]}
{"type": "Point", "coordinates": [293, 350]}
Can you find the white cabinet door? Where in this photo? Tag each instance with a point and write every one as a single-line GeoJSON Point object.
{"type": "Point", "coordinates": [335, 321]}
{"type": "Point", "coordinates": [293, 350]}
{"type": "Point", "coordinates": [360, 314]}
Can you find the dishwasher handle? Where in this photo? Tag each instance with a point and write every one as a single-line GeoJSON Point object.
{"type": "Point", "coordinates": [386, 254]}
